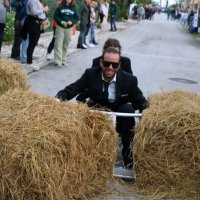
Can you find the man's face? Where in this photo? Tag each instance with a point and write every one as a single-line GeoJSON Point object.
{"type": "Point", "coordinates": [110, 65]}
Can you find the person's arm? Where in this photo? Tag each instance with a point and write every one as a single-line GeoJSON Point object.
{"type": "Point", "coordinates": [73, 89]}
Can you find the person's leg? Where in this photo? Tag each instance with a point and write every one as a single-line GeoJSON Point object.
{"type": "Point", "coordinates": [111, 23]}
{"type": "Point", "coordinates": [51, 44]}
{"type": "Point", "coordinates": [125, 126]}
{"type": "Point", "coordinates": [85, 34]}
{"type": "Point", "coordinates": [81, 35]}
{"type": "Point", "coordinates": [114, 24]}
{"type": "Point", "coordinates": [33, 40]}
{"type": "Point", "coordinates": [66, 41]}
{"type": "Point", "coordinates": [2, 27]}
{"type": "Point", "coordinates": [58, 48]}
{"type": "Point", "coordinates": [24, 47]}
{"type": "Point", "coordinates": [92, 31]}
{"type": "Point", "coordinates": [17, 42]}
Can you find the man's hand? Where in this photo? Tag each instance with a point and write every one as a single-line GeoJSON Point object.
{"type": "Point", "coordinates": [62, 96]}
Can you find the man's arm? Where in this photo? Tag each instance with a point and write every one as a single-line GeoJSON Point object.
{"type": "Point", "coordinates": [73, 89]}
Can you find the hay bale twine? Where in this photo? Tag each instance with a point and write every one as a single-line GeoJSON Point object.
{"type": "Point", "coordinates": [167, 146]}
{"type": "Point", "coordinates": [52, 150]}
{"type": "Point", "coordinates": [12, 76]}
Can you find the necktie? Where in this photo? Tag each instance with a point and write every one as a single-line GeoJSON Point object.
{"type": "Point", "coordinates": [106, 84]}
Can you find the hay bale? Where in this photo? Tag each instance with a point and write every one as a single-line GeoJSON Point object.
{"type": "Point", "coordinates": [52, 150]}
{"type": "Point", "coordinates": [12, 76]}
{"type": "Point", "coordinates": [167, 146]}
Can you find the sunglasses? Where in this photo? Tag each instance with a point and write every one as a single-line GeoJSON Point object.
{"type": "Point", "coordinates": [107, 64]}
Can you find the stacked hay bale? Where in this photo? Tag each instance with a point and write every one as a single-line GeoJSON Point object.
{"type": "Point", "coordinates": [52, 150]}
{"type": "Point", "coordinates": [167, 146]}
{"type": "Point", "coordinates": [12, 76]}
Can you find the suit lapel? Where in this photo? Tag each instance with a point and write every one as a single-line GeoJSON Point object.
{"type": "Point", "coordinates": [119, 84]}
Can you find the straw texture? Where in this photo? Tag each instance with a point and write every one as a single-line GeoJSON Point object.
{"type": "Point", "coordinates": [167, 147]}
{"type": "Point", "coordinates": [51, 150]}
{"type": "Point", "coordinates": [12, 76]}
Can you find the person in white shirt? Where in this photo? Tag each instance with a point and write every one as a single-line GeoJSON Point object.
{"type": "Point", "coordinates": [36, 12]}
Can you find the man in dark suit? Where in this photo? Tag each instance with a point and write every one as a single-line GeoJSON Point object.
{"type": "Point", "coordinates": [125, 63]}
{"type": "Point", "coordinates": [109, 86]}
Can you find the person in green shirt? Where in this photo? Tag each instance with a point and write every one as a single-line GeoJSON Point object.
{"type": "Point", "coordinates": [66, 16]}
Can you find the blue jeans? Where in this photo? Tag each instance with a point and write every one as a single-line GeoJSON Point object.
{"type": "Point", "coordinates": [24, 47]}
{"type": "Point", "coordinates": [92, 32]}
{"type": "Point", "coordinates": [2, 27]}
{"type": "Point", "coordinates": [112, 23]}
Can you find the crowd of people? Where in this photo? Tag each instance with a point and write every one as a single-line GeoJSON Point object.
{"type": "Point", "coordinates": [30, 13]}
{"type": "Point", "coordinates": [140, 12]}
{"type": "Point", "coordinates": [189, 17]}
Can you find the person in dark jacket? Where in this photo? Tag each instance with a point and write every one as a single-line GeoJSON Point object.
{"type": "Point", "coordinates": [110, 87]}
{"type": "Point", "coordinates": [84, 14]}
{"type": "Point", "coordinates": [125, 63]}
{"type": "Point", "coordinates": [17, 5]}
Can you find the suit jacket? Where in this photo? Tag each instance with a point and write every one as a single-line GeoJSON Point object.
{"type": "Point", "coordinates": [125, 63]}
{"type": "Point", "coordinates": [126, 89]}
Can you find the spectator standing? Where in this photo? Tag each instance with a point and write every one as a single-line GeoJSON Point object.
{"type": "Point", "coordinates": [4, 4]}
{"type": "Point", "coordinates": [140, 12]}
{"type": "Point", "coordinates": [102, 13]}
{"type": "Point", "coordinates": [113, 12]}
{"type": "Point", "coordinates": [51, 44]}
{"type": "Point", "coordinates": [92, 40]}
{"type": "Point", "coordinates": [35, 14]}
{"type": "Point", "coordinates": [66, 16]}
{"type": "Point", "coordinates": [17, 5]}
{"type": "Point", "coordinates": [84, 14]}
{"type": "Point", "coordinates": [109, 87]}
{"type": "Point", "coordinates": [20, 22]}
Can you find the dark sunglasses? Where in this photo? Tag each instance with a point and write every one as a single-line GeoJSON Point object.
{"type": "Point", "coordinates": [107, 64]}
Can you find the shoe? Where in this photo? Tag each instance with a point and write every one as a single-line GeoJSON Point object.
{"type": "Point", "coordinates": [15, 58]}
{"type": "Point", "coordinates": [35, 67]}
{"type": "Point", "coordinates": [90, 45]}
{"type": "Point", "coordinates": [59, 65]}
{"type": "Point", "coordinates": [129, 166]}
{"type": "Point", "coordinates": [81, 46]}
{"type": "Point", "coordinates": [84, 46]}
{"type": "Point", "coordinates": [95, 43]}
{"type": "Point", "coordinates": [49, 56]}
{"type": "Point", "coordinates": [115, 29]}
{"type": "Point", "coordinates": [65, 65]}
{"type": "Point", "coordinates": [111, 30]}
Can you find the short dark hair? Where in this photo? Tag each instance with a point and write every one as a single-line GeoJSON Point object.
{"type": "Point", "coordinates": [111, 42]}
{"type": "Point", "coordinates": [110, 50]}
